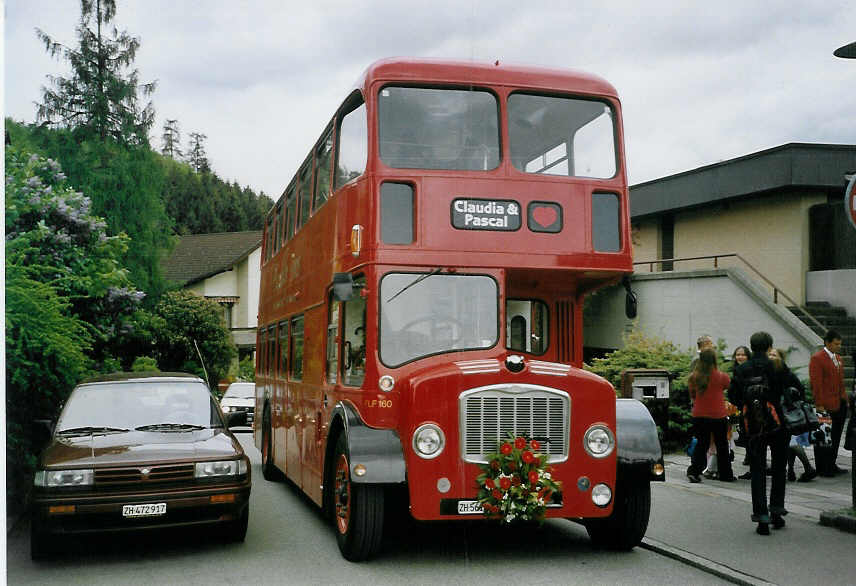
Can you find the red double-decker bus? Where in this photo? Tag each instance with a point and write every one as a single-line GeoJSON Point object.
{"type": "Point", "coordinates": [422, 285]}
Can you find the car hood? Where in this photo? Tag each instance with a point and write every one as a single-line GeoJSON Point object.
{"type": "Point", "coordinates": [237, 402]}
{"type": "Point", "coordinates": [140, 447]}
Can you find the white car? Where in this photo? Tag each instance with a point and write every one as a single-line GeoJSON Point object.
{"type": "Point", "coordinates": [240, 397]}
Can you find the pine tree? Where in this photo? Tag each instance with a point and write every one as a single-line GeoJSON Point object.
{"type": "Point", "coordinates": [171, 140]}
{"type": "Point", "coordinates": [196, 156]}
{"type": "Point", "coordinates": [99, 99]}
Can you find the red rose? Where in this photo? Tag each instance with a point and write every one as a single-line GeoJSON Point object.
{"type": "Point", "coordinates": [505, 483]}
{"type": "Point", "coordinates": [512, 465]}
{"type": "Point", "coordinates": [494, 464]}
{"type": "Point", "coordinates": [506, 448]}
{"type": "Point", "coordinates": [496, 494]}
{"type": "Point", "coordinates": [533, 476]}
{"type": "Point", "coordinates": [528, 457]}
{"type": "Point", "coordinates": [535, 445]}
{"type": "Point", "coordinates": [489, 483]}
{"type": "Point", "coordinates": [520, 443]}
{"type": "Point", "coordinates": [515, 480]}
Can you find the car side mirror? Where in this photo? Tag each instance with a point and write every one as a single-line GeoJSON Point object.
{"type": "Point", "coordinates": [236, 419]}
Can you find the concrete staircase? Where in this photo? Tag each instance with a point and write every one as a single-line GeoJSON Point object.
{"type": "Point", "coordinates": [834, 318]}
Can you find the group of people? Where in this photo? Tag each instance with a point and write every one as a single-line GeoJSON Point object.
{"type": "Point", "coordinates": [760, 376]}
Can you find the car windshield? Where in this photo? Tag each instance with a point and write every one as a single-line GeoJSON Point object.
{"type": "Point", "coordinates": [151, 405]}
{"type": "Point", "coordinates": [553, 135]}
{"type": "Point", "coordinates": [431, 128]}
{"type": "Point", "coordinates": [240, 391]}
{"type": "Point", "coordinates": [430, 313]}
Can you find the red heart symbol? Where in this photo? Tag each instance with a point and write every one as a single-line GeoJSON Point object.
{"type": "Point", "coordinates": [544, 215]}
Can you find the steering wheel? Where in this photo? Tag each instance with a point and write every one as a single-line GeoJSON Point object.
{"type": "Point", "coordinates": [435, 322]}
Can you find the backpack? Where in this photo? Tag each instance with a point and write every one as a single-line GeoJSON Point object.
{"type": "Point", "coordinates": [759, 414]}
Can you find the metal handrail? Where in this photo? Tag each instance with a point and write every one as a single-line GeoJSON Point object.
{"type": "Point", "coordinates": [716, 257]}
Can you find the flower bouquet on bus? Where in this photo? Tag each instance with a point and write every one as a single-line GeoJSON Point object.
{"type": "Point", "coordinates": [515, 484]}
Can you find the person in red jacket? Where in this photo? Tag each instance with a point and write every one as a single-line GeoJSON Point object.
{"type": "Point", "coordinates": [707, 387]}
{"type": "Point", "coordinates": [826, 373]}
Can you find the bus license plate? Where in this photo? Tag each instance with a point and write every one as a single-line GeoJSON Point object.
{"type": "Point", "coordinates": [470, 508]}
{"type": "Point", "coordinates": [146, 510]}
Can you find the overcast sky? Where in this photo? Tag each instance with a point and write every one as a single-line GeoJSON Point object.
{"type": "Point", "coordinates": [700, 82]}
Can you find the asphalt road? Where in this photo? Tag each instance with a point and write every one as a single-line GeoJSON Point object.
{"type": "Point", "coordinates": [288, 542]}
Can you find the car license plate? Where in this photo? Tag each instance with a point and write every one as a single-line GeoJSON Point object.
{"type": "Point", "coordinates": [145, 510]}
{"type": "Point", "coordinates": [470, 508]}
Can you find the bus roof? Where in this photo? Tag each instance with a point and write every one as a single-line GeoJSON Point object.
{"type": "Point", "coordinates": [471, 72]}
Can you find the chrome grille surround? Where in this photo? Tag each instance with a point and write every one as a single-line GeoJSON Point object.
{"type": "Point", "coordinates": [143, 475]}
{"type": "Point", "coordinates": [488, 414]}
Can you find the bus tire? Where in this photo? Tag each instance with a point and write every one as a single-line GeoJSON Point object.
{"type": "Point", "coordinates": [625, 527]}
{"type": "Point", "coordinates": [357, 509]}
{"type": "Point", "coordinates": [269, 471]}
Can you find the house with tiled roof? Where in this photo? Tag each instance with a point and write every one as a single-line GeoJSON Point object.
{"type": "Point", "coordinates": [223, 267]}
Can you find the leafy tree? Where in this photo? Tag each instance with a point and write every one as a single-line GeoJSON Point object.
{"type": "Point", "coordinates": [640, 351]}
{"type": "Point", "coordinates": [99, 99]}
{"type": "Point", "coordinates": [171, 140]}
{"type": "Point", "coordinates": [66, 297]}
{"type": "Point", "coordinates": [145, 364]}
{"type": "Point", "coordinates": [124, 184]}
{"type": "Point", "coordinates": [184, 322]}
{"type": "Point", "coordinates": [196, 156]}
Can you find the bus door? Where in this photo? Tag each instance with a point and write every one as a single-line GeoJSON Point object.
{"type": "Point", "coordinates": [279, 431]}
{"type": "Point", "coordinates": [293, 416]}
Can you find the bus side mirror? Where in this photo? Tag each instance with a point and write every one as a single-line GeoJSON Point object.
{"type": "Point", "coordinates": [629, 299]}
{"type": "Point", "coordinates": [343, 286]}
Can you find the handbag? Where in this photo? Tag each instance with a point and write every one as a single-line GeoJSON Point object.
{"type": "Point", "coordinates": [797, 416]}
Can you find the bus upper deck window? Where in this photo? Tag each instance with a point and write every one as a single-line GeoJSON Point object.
{"type": "Point", "coordinates": [434, 128]}
{"type": "Point", "coordinates": [561, 136]}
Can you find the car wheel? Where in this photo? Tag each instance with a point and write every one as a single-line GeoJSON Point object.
{"type": "Point", "coordinates": [41, 544]}
{"type": "Point", "coordinates": [236, 531]}
{"type": "Point", "coordinates": [269, 471]}
{"type": "Point", "coordinates": [625, 527]}
{"type": "Point", "coordinates": [357, 509]}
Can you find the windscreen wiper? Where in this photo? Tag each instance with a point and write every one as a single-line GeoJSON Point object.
{"type": "Point", "coordinates": [169, 427]}
{"type": "Point", "coordinates": [415, 281]}
{"type": "Point", "coordinates": [90, 430]}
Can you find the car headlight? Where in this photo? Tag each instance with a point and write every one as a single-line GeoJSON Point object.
{"type": "Point", "coordinates": [60, 478]}
{"type": "Point", "coordinates": [599, 441]}
{"type": "Point", "coordinates": [227, 408]}
{"type": "Point", "coordinates": [220, 468]}
{"type": "Point", "coordinates": [428, 441]}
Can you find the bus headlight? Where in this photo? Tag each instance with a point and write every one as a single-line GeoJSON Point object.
{"type": "Point", "coordinates": [598, 441]}
{"type": "Point", "coordinates": [428, 441]}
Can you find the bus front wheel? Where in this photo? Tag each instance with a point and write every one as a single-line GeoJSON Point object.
{"type": "Point", "coordinates": [357, 509]}
{"type": "Point", "coordinates": [625, 527]}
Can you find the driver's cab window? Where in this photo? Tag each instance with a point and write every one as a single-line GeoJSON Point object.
{"type": "Point", "coordinates": [354, 339]}
{"type": "Point", "coordinates": [526, 325]}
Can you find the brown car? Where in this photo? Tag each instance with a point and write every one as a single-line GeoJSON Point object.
{"type": "Point", "coordinates": [137, 451]}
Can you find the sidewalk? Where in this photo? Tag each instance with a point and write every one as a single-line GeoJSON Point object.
{"type": "Point", "coordinates": [818, 500]}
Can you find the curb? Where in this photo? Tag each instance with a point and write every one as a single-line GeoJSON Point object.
{"type": "Point", "coordinates": [839, 520]}
{"type": "Point", "coordinates": [727, 573]}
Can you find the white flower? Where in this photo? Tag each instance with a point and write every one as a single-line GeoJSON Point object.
{"type": "Point", "coordinates": [546, 475]}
